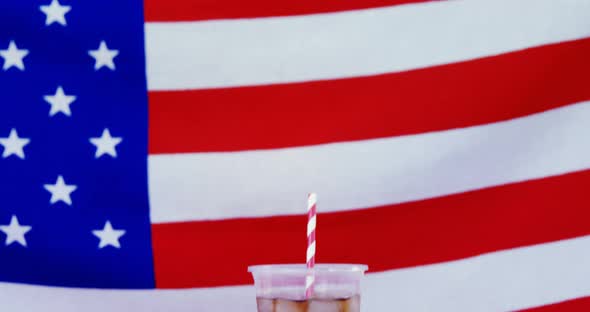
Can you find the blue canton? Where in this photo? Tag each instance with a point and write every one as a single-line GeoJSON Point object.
{"type": "Point", "coordinates": [74, 205]}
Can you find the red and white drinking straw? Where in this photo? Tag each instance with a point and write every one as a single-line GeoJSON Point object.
{"type": "Point", "coordinates": [311, 223]}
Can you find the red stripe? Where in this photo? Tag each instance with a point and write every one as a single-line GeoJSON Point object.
{"type": "Point", "coordinates": [577, 305]}
{"type": "Point", "coordinates": [214, 253]}
{"type": "Point", "coordinates": [437, 98]}
{"type": "Point", "coordinates": [311, 237]}
{"type": "Point", "coordinates": [192, 10]}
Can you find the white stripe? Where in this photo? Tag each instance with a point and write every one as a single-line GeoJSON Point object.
{"type": "Point", "coordinates": [502, 281]}
{"type": "Point", "coordinates": [370, 173]}
{"type": "Point", "coordinates": [310, 252]}
{"type": "Point", "coordinates": [311, 224]}
{"type": "Point", "coordinates": [25, 298]}
{"type": "Point", "coordinates": [311, 201]}
{"type": "Point", "coordinates": [223, 53]}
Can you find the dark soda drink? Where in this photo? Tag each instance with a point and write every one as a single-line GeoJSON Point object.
{"type": "Point", "coordinates": [351, 304]}
{"type": "Point", "coordinates": [284, 287]}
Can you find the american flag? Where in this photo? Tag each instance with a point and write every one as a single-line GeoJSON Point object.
{"type": "Point", "coordinates": [152, 150]}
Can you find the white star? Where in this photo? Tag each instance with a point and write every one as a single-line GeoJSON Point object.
{"type": "Point", "coordinates": [13, 56]}
{"type": "Point", "coordinates": [60, 191]}
{"type": "Point", "coordinates": [55, 12]}
{"type": "Point", "coordinates": [103, 56]}
{"type": "Point", "coordinates": [13, 145]}
{"type": "Point", "coordinates": [108, 236]}
{"type": "Point", "coordinates": [60, 102]}
{"type": "Point", "coordinates": [15, 232]}
{"type": "Point", "coordinates": [106, 144]}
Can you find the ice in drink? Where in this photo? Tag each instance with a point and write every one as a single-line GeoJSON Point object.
{"type": "Point", "coordinates": [351, 304]}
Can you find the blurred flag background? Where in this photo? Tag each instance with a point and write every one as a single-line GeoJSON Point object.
{"type": "Point", "coordinates": [152, 150]}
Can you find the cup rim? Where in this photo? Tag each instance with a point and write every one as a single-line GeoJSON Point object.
{"type": "Point", "coordinates": [301, 267]}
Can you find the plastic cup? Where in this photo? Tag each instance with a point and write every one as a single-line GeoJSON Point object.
{"type": "Point", "coordinates": [281, 287]}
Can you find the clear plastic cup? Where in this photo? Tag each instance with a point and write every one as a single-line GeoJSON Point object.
{"type": "Point", "coordinates": [281, 287]}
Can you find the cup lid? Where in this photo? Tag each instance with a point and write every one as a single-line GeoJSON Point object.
{"type": "Point", "coordinates": [319, 267]}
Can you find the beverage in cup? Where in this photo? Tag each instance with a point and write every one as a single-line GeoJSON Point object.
{"type": "Point", "coordinates": [284, 287]}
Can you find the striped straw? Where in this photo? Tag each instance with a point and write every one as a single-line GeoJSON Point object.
{"type": "Point", "coordinates": [311, 223]}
